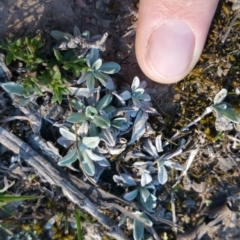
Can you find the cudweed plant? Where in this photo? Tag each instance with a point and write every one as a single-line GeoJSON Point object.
{"type": "Point", "coordinates": [104, 121]}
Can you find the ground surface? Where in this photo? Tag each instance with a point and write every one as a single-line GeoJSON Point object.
{"type": "Point", "coordinates": [218, 67]}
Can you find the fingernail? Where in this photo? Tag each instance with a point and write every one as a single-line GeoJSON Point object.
{"type": "Point", "coordinates": [170, 49]}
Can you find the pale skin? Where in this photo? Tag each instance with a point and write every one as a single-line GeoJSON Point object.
{"type": "Point", "coordinates": [171, 35]}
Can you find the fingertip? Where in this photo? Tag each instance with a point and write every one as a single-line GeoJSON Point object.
{"type": "Point", "coordinates": [170, 37]}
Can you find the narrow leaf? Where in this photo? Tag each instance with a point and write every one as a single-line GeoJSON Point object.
{"type": "Point", "coordinates": [91, 142]}
{"type": "Point", "coordinates": [138, 230]}
{"type": "Point", "coordinates": [110, 67]}
{"type": "Point", "coordinates": [67, 134]}
{"type": "Point", "coordinates": [14, 88]}
{"type": "Point", "coordinates": [139, 126]}
{"type": "Point", "coordinates": [162, 175]}
{"type": "Point", "coordinates": [69, 158]}
{"type": "Point", "coordinates": [78, 223]}
{"type": "Point", "coordinates": [93, 155]}
{"type": "Point", "coordinates": [77, 118]}
{"type": "Point", "coordinates": [135, 83]}
{"type": "Point", "coordinates": [97, 64]}
{"type": "Point", "coordinates": [104, 102]}
{"type": "Point", "coordinates": [130, 195]}
{"type": "Point", "coordinates": [101, 122]}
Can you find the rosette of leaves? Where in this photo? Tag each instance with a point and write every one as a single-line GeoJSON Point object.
{"type": "Point", "coordinates": [102, 117]}
{"type": "Point", "coordinates": [137, 94]}
{"type": "Point", "coordinates": [137, 98]}
{"type": "Point", "coordinates": [163, 162]}
{"type": "Point", "coordinates": [85, 151]}
{"type": "Point", "coordinates": [145, 194]}
{"type": "Point", "coordinates": [98, 70]}
{"type": "Point", "coordinates": [225, 114]}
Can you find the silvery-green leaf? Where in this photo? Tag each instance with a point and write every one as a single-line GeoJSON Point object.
{"type": "Point", "coordinates": [97, 64]}
{"type": "Point", "coordinates": [162, 174]}
{"type": "Point", "coordinates": [67, 134]}
{"type": "Point", "coordinates": [223, 110]}
{"type": "Point", "coordinates": [82, 147]}
{"type": "Point", "coordinates": [130, 195]}
{"type": "Point", "coordinates": [60, 36]}
{"type": "Point", "coordinates": [102, 77]}
{"type": "Point", "coordinates": [144, 194]}
{"type": "Point", "coordinates": [101, 122]}
{"type": "Point", "coordinates": [135, 83]}
{"type": "Point", "coordinates": [110, 85]}
{"type": "Point", "coordinates": [108, 110]}
{"type": "Point", "coordinates": [83, 129]}
{"type": "Point", "coordinates": [118, 122]}
{"type": "Point", "coordinates": [120, 99]}
{"type": "Point", "coordinates": [128, 179]}
{"type": "Point", "coordinates": [138, 92]}
{"type": "Point", "coordinates": [83, 92]}
{"type": "Point", "coordinates": [93, 56]}
{"type": "Point", "coordinates": [104, 102]}
{"type": "Point", "coordinates": [138, 230]}
{"type": "Point", "coordinates": [90, 81]}
{"type": "Point", "coordinates": [104, 163]}
{"type": "Point", "coordinates": [77, 105]}
{"type": "Point", "coordinates": [143, 84]}
{"type": "Point", "coordinates": [69, 158]}
{"type": "Point", "coordinates": [173, 153]}
{"type": "Point", "coordinates": [91, 142]}
{"type": "Point", "coordinates": [148, 147]}
{"type": "Point", "coordinates": [125, 95]}
{"type": "Point", "coordinates": [117, 179]}
{"type": "Point", "coordinates": [142, 217]}
{"type": "Point", "coordinates": [150, 186]}
{"type": "Point", "coordinates": [89, 167]}
{"type": "Point", "coordinates": [83, 77]}
{"type": "Point", "coordinates": [65, 142]}
{"type": "Point", "coordinates": [145, 179]}
{"type": "Point", "coordinates": [98, 172]}
{"type": "Point", "coordinates": [76, 31]}
{"type": "Point", "coordinates": [110, 67]}
{"type": "Point", "coordinates": [139, 126]}
{"type": "Point", "coordinates": [93, 131]}
{"type": "Point", "coordinates": [220, 96]}
{"type": "Point", "coordinates": [125, 110]}
{"type": "Point", "coordinates": [77, 118]}
{"type": "Point", "coordinates": [136, 102]}
{"type": "Point", "coordinates": [144, 97]}
{"type": "Point", "coordinates": [93, 155]}
{"type": "Point", "coordinates": [174, 165]}
{"type": "Point", "coordinates": [24, 101]}
{"type": "Point", "coordinates": [107, 137]}
{"type": "Point", "coordinates": [14, 88]}
{"type": "Point", "coordinates": [150, 203]}
{"type": "Point", "coordinates": [91, 112]}
{"type": "Point", "coordinates": [147, 107]}
{"type": "Point", "coordinates": [122, 220]}
{"type": "Point", "coordinates": [158, 143]}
